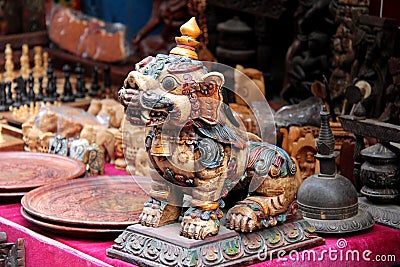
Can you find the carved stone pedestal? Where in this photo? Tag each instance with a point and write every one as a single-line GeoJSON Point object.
{"type": "Point", "coordinates": [387, 214]}
{"type": "Point", "coordinates": [164, 246]}
{"type": "Point", "coordinates": [11, 254]}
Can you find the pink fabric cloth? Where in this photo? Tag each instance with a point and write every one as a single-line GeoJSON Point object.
{"type": "Point", "coordinates": [381, 241]}
{"type": "Point", "coordinates": [109, 169]}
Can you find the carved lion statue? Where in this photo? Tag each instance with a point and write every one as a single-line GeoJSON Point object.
{"type": "Point", "coordinates": [193, 144]}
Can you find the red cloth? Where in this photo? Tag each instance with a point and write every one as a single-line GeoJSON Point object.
{"type": "Point", "coordinates": [382, 241]}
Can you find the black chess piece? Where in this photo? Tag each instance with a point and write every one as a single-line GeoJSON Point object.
{"type": "Point", "coordinates": [18, 90]}
{"type": "Point", "coordinates": [54, 86]}
{"type": "Point", "coordinates": [51, 94]}
{"type": "Point", "coordinates": [3, 97]}
{"type": "Point", "coordinates": [49, 75]}
{"type": "Point", "coordinates": [83, 81]}
{"type": "Point", "coordinates": [9, 100]}
{"type": "Point", "coordinates": [49, 91]}
{"type": "Point", "coordinates": [107, 82]}
{"type": "Point", "coordinates": [40, 96]}
{"type": "Point", "coordinates": [24, 92]}
{"type": "Point", "coordinates": [79, 86]}
{"type": "Point", "coordinates": [67, 96]}
{"type": "Point", "coordinates": [31, 93]}
{"type": "Point", "coordinates": [95, 87]}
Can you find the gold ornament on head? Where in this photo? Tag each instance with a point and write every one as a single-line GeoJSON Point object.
{"type": "Point", "coordinates": [187, 43]}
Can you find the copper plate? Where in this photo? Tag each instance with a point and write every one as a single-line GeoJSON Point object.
{"type": "Point", "coordinates": [98, 233]}
{"type": "Point", "coordinates": [22, 171]}
{"type": "Point", "coordinates": [97, 202]}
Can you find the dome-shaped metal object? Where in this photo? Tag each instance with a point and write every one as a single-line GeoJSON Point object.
{"type": "Point", "coordinates": [327, 200]}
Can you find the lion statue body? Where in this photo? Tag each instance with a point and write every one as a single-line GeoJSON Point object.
{"type": "Point", "coordinates": [192, 144]}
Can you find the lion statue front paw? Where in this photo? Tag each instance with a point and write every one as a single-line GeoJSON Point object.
{"type": "Point", "coordinates": [158, 213]}
{"type": "Point", "coordinates": [245, 217]}
{"type": "Point", "coordinates": [199, 224]}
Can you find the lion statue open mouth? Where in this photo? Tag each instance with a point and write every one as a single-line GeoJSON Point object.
{"type": "Point", "coordinates": [193, 144]}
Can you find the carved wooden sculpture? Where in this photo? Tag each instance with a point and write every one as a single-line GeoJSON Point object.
{"type": "Point", "coordinates": [171, 14]}
{"type": "Point", "coordinates": [102, 136]}
{"type": "Point", "coordinates": [94, 158]}
{"type": "Point", "coordinates": [307, 58]}
{"type": "Point", "coordinates": [12, 254]}
{"type": "Point", "coordinates": [193, 144]}
{"type": "Point", "coordinates": [391, 113]}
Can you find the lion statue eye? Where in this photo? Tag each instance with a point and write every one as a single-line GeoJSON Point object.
{"type": "Point", "coordinates": [168, 83]}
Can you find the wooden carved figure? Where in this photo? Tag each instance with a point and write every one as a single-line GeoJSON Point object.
{"type": "Point", "coordinates": [391, 113]}
{"type": "Point", "coordinates": [94, 158]}
{"type": "Point", "coordinates": [194, 145]}
{"type": "Point", "coordinates": [119, 162]}
{"type": "Point", "coordinates": [102, 136]}
{"type": "Point", "coordinates": [134, 135]}
{"type": "Point", "coordinates": [171, 14]}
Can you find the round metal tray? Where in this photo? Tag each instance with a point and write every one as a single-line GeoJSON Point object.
{"type": "Point", "coordinates": [22, 171]}
{"type": "Point", "coordinates": [111, 201]}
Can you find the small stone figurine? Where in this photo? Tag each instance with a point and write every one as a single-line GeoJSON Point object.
{"type": "Point", "coordinates": [78, 149]}
{"type": "Point", "coordinates": [200, 149]}
{"type": "Point", "coordinates": [58, 145]}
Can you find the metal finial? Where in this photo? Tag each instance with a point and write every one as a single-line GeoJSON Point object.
{"type": "Point", "coordinates": [325, 146]}
{"type": "Point", "coordinates": [326, 141]}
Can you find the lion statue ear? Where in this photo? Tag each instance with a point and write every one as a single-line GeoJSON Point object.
{"type": "Point", "coordinates": [210, 97]}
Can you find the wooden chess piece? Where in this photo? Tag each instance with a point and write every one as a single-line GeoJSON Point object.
{"type": "Point", "coordinates": [9, 64]}
{"type": "Point", "coordinates": [51, 86]}
{"type": "Point", "coordinates": [21, 89]}
{"type": "Point", "coordinates": [95, 87]}
{"type": "Point", "coordinates": [83, 81]}
{"type": "Point", "coordinates": [24, 92]}
{"type": "Point", "coordinates": [40, 96]}
{"type": "Point", "coordinates": [49, 90]}
{"type": "Point", "coordinates": [18, 92]}
{"type": "Point", "coordinates": [79, 86]}
{"type": "Point", "coordinates": [67, 96]}
{"type": "Point", "coordinates": [38, 63]}
{"type": "Point", "coordinates": [9, 100]}
{"type": "Point", "coordinates": [24, 62]}
{"type": "Point", "coordinates": [45, 58]}
{"type": "Point", "coordinates": [3, 97]}
{"type": "Point", "coordinates": [54, 81]}
{"type": "Point", "coordinates": [31, 92]}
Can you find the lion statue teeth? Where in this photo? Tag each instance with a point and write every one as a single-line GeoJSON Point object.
{"type": "Point", "coordinates": [192, 144]}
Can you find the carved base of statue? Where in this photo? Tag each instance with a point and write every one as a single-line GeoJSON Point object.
{"type": "Point", "coordinates": [163, 246]}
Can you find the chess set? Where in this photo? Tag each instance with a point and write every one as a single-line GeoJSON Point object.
{"type": "Point", "coordinates": [23, 91]}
